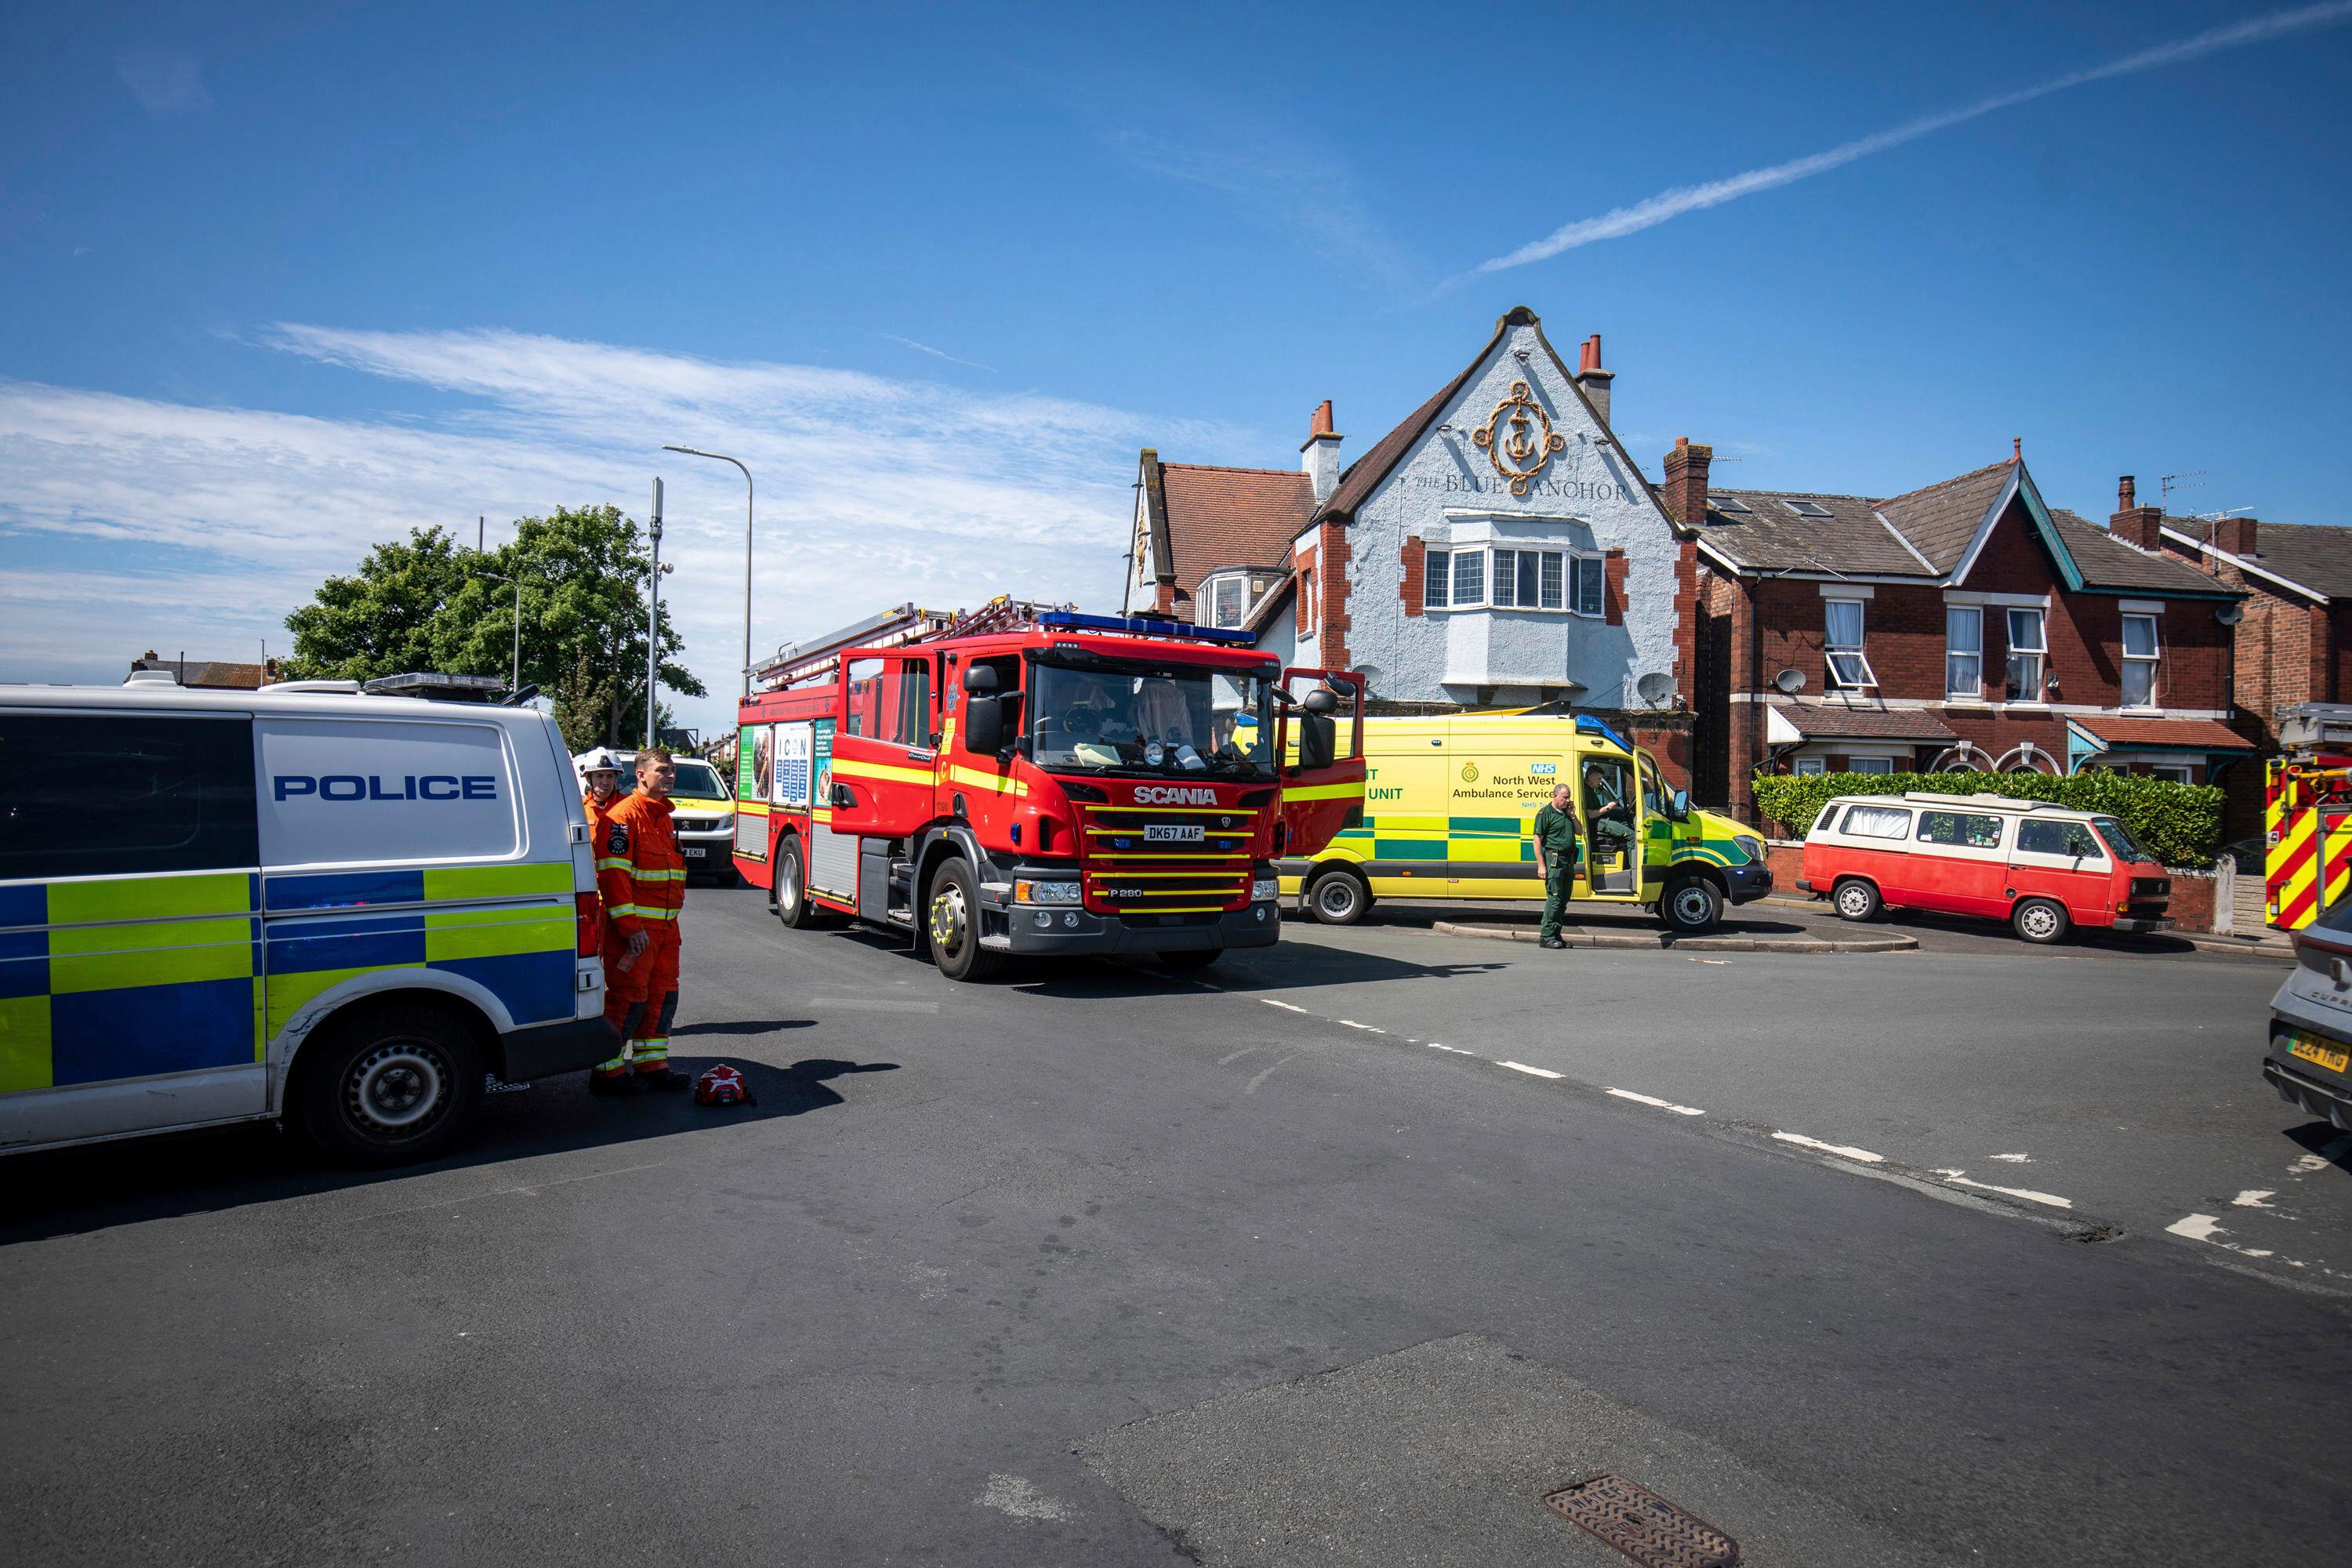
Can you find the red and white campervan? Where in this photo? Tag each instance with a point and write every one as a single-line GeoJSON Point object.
{"type": "Point", "coordinates": [2043, 868]}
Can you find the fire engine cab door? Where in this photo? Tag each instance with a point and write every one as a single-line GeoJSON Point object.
{"type": "Point", "coordinates": [884, 749]}
{"type": "Point", "coordinates": [1317, 802]}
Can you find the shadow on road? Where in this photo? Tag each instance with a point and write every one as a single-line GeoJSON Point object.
{"type": "Point", "coordinates": [75, 1191]}
{"type": "Point", "coordinates": [2327, 1140]}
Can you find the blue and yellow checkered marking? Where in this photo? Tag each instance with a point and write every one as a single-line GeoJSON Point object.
{"type": "Point", "coordinates": [1480, 839]}
{"type": "Point", "coordinates": [129, 977]}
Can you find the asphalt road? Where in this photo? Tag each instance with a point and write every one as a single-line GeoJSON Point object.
{"type": "Point", "coordinates": [1103, 1265]}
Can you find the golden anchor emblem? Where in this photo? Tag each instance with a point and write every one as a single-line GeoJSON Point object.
{"type": "Point", "coordinates": [1530, 442]}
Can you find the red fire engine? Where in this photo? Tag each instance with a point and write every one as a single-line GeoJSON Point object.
{"type": "Point", "coordinates": [1027, 781]}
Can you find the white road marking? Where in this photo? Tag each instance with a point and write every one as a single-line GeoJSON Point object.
{"type": "Point", "coordinates": [1532, 1072]}
{"type": "Point", "coordinates": [2013, 1159]}
{"type": "Point", "coordinates": [1268, 1073]}
{"type": "Point", "coordinates": [1021, 1499]}
{"type": "Point", "coordinates": [1694, 959]}
{"type": "Point", "coordinates": [1352, 1024]}
{"type": "Point", "coordinates": [2251, 1198]}
{"type": "Point", "coordinates": [1457, 1050]}
{"type": "Point", "coordinates": [1284, 1005]}
{"type": "Point", "coordinates": [1960, 1179]}
{"type": "Point", "coordinates": [1653, 1100]}
{"type": "Point", "coordinates": [1843, 1151]}
{"type": "Point", "coordinates": [1229, 1058]}
{"type": "Point", "coordinates": [2195, 1226]}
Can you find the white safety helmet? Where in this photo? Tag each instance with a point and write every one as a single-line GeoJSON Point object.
{"type": "Point", "coordinates": [600, 761]}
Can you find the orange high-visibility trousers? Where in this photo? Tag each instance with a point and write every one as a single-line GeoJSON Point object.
{"type": "Point", "coordinates": [640, 1001]}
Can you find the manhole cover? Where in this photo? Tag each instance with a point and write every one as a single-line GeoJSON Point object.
{"type": "Point", "coordinates": [1643, 1525]}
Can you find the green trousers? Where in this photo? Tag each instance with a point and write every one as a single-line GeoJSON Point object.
{"type": "Point", "coordinates": [1557, 889]}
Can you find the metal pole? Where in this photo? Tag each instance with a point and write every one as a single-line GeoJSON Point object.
{"type": "Point", "coordinates": [653, 618]}
{"type": "Point", "coordinates": [514, 682]}
{"type": "Point", "coordinates": [748, 497]}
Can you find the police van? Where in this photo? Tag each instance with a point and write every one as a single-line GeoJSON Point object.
{"type": "Point", "coordinates": [305, 903]}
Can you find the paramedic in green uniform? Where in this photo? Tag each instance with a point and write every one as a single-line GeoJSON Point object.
{"type": "Point", "coordinates": [1555, 835]}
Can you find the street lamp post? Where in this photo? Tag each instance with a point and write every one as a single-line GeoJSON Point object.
{"type": "Point", "coordinates": [652, 618]}
{"type": "Point", "coordinates": [514, 681]}
{"type": "Point", "coordinates": [723, 457]}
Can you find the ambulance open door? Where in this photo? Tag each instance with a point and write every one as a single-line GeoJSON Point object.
{"type": "Point", "coordinates": [1323, 757]}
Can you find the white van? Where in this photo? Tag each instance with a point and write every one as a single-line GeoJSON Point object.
{"type": "Point", "coordinates": [300, 902]}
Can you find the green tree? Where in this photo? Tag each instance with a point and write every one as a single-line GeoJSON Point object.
{"type": "Point", "coordinates": [583, 575]}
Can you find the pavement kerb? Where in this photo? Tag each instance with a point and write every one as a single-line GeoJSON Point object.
{"type": "Point", "coordinates": [1662, 941]}
{"type": "Point", "coordinates": [2274, 949]}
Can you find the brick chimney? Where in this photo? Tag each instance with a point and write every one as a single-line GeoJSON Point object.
{"type": "Point", "coordinates": [2235, 535]}
{"type": "Point", "coordinates": [1593, 379]}
{"type": "Point", "coordinates": [1686, 467]}
{"type": "Point", "coordinates": [1319, 456]}
{"type": "Point", "coordinates": [2133, 522]}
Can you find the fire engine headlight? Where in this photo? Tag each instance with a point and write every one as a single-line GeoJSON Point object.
{"type": "Point", "coordinates": [1028, 893]}
{"type": "Point", "coordinates": [1265, 889]}
{"type": "Point", "coordinates": [1751, 847]}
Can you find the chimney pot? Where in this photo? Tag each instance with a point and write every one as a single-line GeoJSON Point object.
{"type": "Point", "coordinates": [2126, 494]}
{"type": "Point", "coordinates": [1593, 380]}
{"type": "Point", "coordinates": [1322, 424]}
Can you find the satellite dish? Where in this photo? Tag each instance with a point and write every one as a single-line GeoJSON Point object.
{"type": "Point", "coordinates": [2230, 614]}
{"type": "Point", "coordinates": [1655, 688]}
{"type": "Point", "coordinates": [1789, 682]}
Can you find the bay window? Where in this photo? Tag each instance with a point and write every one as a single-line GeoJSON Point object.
{"type": "Point", "coordinates": [1437, 569]}
{"type": "Point", "coordinates": [1963, 651]}
{"type": "Point", "coordinates": [1511, 577]}
{"type": "Point", "coordinates": [2026, 651]}
{"type": "Point", "coordinates": [1224, 597]}
{"type": "Point", "coordinates": [1847, 666]}
{"type": "Point", "coordinates": [2141, 653]}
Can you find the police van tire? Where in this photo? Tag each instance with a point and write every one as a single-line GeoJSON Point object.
{"type": "Point", "coordinates": [1690, 905]}
{"type": "Point", "coordinates": [390, 1086]}
{"type": "Point", "coordinates": [951, 923]}
{"type": "Point", "coordinates": [1338, 897]}
{"type": "Point", "coordinates": [2039, 920]}
{"type": "Point", "coordinates": [1855, 899]}
{"type": "Point", "coordinates": [790, 891]}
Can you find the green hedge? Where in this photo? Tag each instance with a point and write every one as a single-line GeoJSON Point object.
{"type": "Point", "coordinates": [2179, 824]}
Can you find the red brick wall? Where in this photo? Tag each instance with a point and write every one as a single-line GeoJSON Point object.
{"type": "Point", "coordinates": [2191, 907]}
{"type": "Point", "coordinates": [1612, 587]}
{"type": "Point", "coordinates": [1687, 614]}
{"type": "Point", "coordinates": [1413, 589]}
{"type": "Point", "coordinates": [1331, 630]}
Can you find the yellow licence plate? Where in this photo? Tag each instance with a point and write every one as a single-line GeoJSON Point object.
{"type": "Point", "coordinates": [2311, 1050]}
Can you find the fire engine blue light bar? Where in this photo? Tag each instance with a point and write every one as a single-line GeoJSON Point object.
{"type": "Point", "coordinates": [1586, 724]}
{"type": "Point", "coordinates": [1144, 627]}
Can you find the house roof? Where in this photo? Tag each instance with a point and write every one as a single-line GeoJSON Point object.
{"type": "Point", "coordinates": [2106, 562]}
{"type": "Point", "coordinates": [1271, 605]}
{"type": "Point", "coordinates": [1770, 536]}
{"type": "Point", "coordinates": [1941, 518]}
{"type": "Point", "coordinates": [2317, 556]}
{"type": "Point", "coordinates": [1838, 722]}
{"type": "Point", "coordinates": [1229, 517]}
{"type": "Point", "coordinates": [2122, 729]}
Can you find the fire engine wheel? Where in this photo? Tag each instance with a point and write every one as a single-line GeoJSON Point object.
{"type": "Point", "coordinates": [1855, 900]}
{"type": "Point", "coordinates": [392, 1086]}
{"type": "Point", "coordinates": [1690, 905]}
{"type": "Point", "coordinates": [953, 923]}
{"type": "Point", "coordinates": [1338, 898]}
{"type": "Point", "coordinates": [792, 906]}
{"type": "Point", "coordinates": [2042, 920]}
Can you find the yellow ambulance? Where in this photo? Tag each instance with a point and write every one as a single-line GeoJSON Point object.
{"type": "Point", "coordinates": [1449, 811]}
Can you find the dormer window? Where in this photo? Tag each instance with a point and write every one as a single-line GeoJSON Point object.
{"type": "Point", "coordinates": [1223, 598]}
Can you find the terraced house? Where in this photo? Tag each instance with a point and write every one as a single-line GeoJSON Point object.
{"type": "Point", "coordinates": [1963, 624]}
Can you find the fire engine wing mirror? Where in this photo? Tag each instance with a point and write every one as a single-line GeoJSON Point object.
{"type": "Point", "coordinates": [1318, 737]}
{"type": "Point", "coordinates": [1321, 702]}
{"type": "Point", "coordinates": [983, 718]}
{"type": "Point", "coordinates": [980, 679]}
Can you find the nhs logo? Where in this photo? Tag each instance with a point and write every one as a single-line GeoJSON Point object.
{"type": "Point", "coordinates": [1543, 767]}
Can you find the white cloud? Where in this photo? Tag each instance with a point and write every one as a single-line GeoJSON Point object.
{"type": "Point", "coordinates": [129, 522]}
{"type": "Point", "coordinates": [164, 81]}
{"type": "Point", "coordinates": [1673, 204]}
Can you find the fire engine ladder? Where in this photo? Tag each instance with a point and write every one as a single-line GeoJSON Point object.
{"type": "Point", "coordinates": [897, 628]}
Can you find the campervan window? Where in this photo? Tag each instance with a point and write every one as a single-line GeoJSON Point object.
{"type": "Point", "coordinates": [1877, 822]}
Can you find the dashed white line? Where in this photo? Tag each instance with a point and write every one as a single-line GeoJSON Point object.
{"type": "Point", "coordinates": [1843, 1151]}
{"type": "Point", "coordinates": [1961, 1179]}
{"type": "Point", "coordinates": [2013, 1159]}
{"type": "Point", "coordinates": [1532, 1072]}
{"type": "Point", "coordinates": [1457, 1050]}
{"type": "Point", "coordinates": [1352, 1024]}
{"type": "Point", "coordinates": [1284, 1005]}
{"type": "Point", "coordinates": [1653, 1100]}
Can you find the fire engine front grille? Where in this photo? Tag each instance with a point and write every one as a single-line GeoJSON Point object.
{"type": "Point", "coordinates": [1145, 860]}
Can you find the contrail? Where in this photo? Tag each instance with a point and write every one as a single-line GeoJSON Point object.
{"type": "Point", "coordinates": [1673, 204]}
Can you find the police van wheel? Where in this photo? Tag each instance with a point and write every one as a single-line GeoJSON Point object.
{"type": "Point", "coordinates": [792, 886]}
{"type": "Point", "coordinates": [2042, 920]}
{"type": "Point", "coordinates": [1338, 898]}
{"type": "Point", "coordinates": [1690, 905]}
{"type": "Point", "coordinates": [391, 1087]}
{"type": "Point", "coordinates": [951, 924]}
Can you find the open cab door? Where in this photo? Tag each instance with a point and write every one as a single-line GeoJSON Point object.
{"type": "Point", "coordinates": [1323, 757]}
{"type": "Point", "coordinates": [884, 749]}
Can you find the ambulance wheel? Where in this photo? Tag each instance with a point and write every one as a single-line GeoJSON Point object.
{"type": "Point", "coordinates": [1690, 905]}
{"type": "Point", "coordinates": [2041, 920]}
{"type": "Point", "coordinates": [391, 1086]}
{"type": "Point", "coordinates": [1338, 898]}
{"type": "Point", "coordinates": [792, 906]}
{"type": "Point", "coordinates": [951, 923]}
{"type": "Point", "coordinates": [1855, 900]}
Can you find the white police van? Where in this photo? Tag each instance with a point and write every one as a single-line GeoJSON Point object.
{"type": "Point", "coordinates": [303, 902]}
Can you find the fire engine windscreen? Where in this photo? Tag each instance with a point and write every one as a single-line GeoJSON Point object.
{"type": "Point", "coordinates": [1155, 720]}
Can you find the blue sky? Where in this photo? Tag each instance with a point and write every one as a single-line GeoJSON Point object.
{"type": "Point", "coordinates": [283, 280]}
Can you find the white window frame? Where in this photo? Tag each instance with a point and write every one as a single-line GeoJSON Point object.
{"type": "Point", "coordinates": [1858, 676]}
{"type": "Point", "coordinates": [2177, 772]}
{"type": "Point", "coordinates": [2012, 650]}
{"type": "Point", "coordinates": [1953, 690]}
{"type": "Point", "coordinates": [1205, 597]}
{"type": "Point", "coordinates": [2153, 659]}
{"type": "Point", "coordinates": [1879, 766]}
{"type": "Point", "coordinates": [1303, 616]}
{"type": "Point", "coordinates": [1579, 581]}
{"type": "Point", "coordinates": [1810, 767]}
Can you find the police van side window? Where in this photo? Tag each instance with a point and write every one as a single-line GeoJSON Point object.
{"type": "Point", "coordinates": [108, 795]}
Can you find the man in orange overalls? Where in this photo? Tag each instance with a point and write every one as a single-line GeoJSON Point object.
{"type": "Point", "coordinates": [641, 877]}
